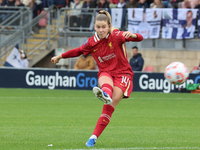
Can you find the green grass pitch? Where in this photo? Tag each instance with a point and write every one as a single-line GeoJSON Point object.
{"type": "Point", "coordinates": [34, 118]}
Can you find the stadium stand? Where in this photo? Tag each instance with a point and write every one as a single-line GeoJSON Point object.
{"type": "Point", "coordinates": [156, 52]}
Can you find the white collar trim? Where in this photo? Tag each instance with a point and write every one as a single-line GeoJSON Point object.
{"type": "Point", "coordinates": [96, 38]}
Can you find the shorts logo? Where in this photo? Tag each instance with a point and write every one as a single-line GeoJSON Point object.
{"type": "Point", "coordinates": [124, 80]}
{"type": "Point", "coordinates": [95, 50]}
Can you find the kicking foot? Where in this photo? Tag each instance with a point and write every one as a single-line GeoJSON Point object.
{"type": "Point", "coordinates": [90, 142]}
{"type": "Point", "coordinates": [99, 93]}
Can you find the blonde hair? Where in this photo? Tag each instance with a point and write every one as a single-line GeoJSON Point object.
{"type": "Point", "coordinates": [31, 4]}
{"type": "Point", "coordinates": [104, 16]}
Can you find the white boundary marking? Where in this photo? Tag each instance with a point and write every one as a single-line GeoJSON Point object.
{"type": "Point", "coordinates": [138, 148]}
{"type": "Point", "coordinates": [95, 97]}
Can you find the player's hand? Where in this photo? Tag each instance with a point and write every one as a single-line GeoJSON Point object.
{"type": "Point", "coordinates": [56, 59]}
{"type": "Point", "coordinates": [128, 34]}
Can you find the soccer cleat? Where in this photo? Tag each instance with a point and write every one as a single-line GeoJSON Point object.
{"type": "Point", "coordinates": [102, 95]}
{"type": "Point", "coordinates": [90, 142]}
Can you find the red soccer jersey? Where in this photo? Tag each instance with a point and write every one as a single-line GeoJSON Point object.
{"type": "Point", "coordinates": [110, 53]}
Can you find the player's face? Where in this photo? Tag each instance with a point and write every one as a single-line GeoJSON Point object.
{"type": "Point", "coordinates": [102, 28]}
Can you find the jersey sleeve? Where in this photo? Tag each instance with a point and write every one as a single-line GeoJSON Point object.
{"type": "Point", "coordinates": [86, 47]}
{"type": "Point", "coordinates": [83, 49]}
{"type": "Point", "coordinates": [122, 39]}
{"type": "Point", "coordinates": [72, 53]}
{"type": "Point", "coordinates": [138, 39]}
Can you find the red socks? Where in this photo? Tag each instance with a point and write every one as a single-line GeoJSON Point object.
{"type": "Point", "coordinates": [103, 120]}
{"type": "Point", "coordinates": [108, 89]}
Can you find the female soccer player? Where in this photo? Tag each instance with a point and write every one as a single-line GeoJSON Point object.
{"type": "Point", "coordinates": [115, 77]}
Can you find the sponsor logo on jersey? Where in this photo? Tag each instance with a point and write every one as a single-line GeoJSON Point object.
{"type": "Point", "coordinates": [108, 57]}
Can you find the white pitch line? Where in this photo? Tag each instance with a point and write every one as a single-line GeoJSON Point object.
{"type": "Point", "coordinates": [139, 148]}
{"type": "Point", "coordinates": [95, 97]}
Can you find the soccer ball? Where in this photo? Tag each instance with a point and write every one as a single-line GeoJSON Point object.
{"type": "Point", "coordinates": [176, 73]}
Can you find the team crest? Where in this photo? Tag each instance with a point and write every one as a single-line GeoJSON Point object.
{"type": "Point", "coordinates": [110, 44]}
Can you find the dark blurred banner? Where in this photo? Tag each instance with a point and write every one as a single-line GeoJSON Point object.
{"type": "Point", "coordinates": [82, 80]}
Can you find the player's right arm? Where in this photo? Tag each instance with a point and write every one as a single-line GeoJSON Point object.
{"type": "Point", "coordinates": [126, 36]}
{"type": "Point", "coordinates": [71, 53]}
{"type": "Point", "coordinates": [84, 49]}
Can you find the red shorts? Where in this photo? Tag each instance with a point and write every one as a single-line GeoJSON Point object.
{"type": "Point", "coordinates": [123, 81]}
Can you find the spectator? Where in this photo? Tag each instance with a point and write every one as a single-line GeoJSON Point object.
{"type": "Point", "coordinates": [18, 3]}
{"type": "Point", "coordinates": [10, 3]}
{"type": "Point", "coordinates": [85, 62]}
{"type": "Point", "coordinates": [32, 4]}
{"type": "Point", "coordinates": [103, 4]}
{"type": "Point", "coordinates": [2, 14]}
{"type": "Point", "coordinates": [75, 13]}
{"type": "Point", "coordinates": [143, 4]}
{"type": "Point", "coordinates": [132, 4]}
{"type": "Point", "coordinates": [50, 2]}
{"type": "Point", "coordinates": [176, 3]}
{"type": "Point", "coordinates": [189, 3]}
{"type": "Point", "coordinates": [121, 4]}
{"type": "Point", "coordinates": [68, 2]}
{"type": "Point", "coordinates": [113, 3]}
{"type": "Point", "coordinates": [157, 4]}
{"type": "Point", "coordinates": [166, 3]}
{"type": "Point", "coordinates": [60, 3]}
{"type": "Point", "coordinates": [42, 5]}
{"type": "Point", "coordinates": [25, 2]}
{"type": "Point", "coordinates": [136, 61]}
{"type": "Point", "coordinates": [198, 6]}
{"type": "Point", "coordinates": [86, 19]}
{"type": "Point", "coordinates": [2, 3]}
{"type": "Point", "coordinates": [149, 2]}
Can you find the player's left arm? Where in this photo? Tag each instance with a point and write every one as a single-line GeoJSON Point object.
{"type": "Point", "coordinates": [132, 36]}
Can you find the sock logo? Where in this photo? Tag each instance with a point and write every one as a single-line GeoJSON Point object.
{"type": "Point", "coordinates": [105, 121]}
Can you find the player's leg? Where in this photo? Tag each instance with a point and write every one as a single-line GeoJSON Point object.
{"type": "Point", "coordinates": [117, 96]}
{"type": "Point", "coordinates": [123, 87]}
{"type": "Point", "coordinates": [105, 92]}
{"type": "Point", "coordinates": [105, 117]}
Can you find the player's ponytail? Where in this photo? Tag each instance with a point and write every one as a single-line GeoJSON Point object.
{"type": "Point", "coordinates": [104, 16]}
